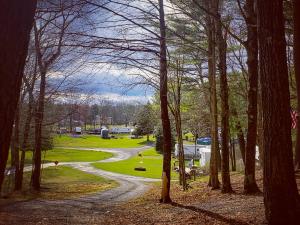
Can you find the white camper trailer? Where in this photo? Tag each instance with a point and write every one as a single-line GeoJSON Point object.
{"type": "Point", "coordinates": [120, 130]}
{"type": "Point", "coordinates": [77, 130]}
{"type": "Point", "coordinates": [205, 155]}
{"type": "Point", "coordinates": [201, 152]}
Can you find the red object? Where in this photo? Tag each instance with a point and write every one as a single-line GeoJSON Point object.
{"type": "Point", "coordinates": [294, 116]}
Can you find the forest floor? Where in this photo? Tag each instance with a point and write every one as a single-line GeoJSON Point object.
{"type": "Point", "coordinates": [198, 205]}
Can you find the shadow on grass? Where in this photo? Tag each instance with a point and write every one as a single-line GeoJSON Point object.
{"type": "Point", "coordinates": [210, 214]}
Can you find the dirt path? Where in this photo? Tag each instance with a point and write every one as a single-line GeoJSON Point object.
{"type": "Point", "coordinates": [60, 211]}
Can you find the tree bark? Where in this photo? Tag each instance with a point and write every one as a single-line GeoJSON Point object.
{"type": "Point", "coordinates": [44, 64]}
{"type": "Point", "coordinates": [26, 131]}
{"type": "Point", "coordinates": [241, 140]}
{"type": "Point", "coordinates": [71, 123]}
{"type": "Point", "coordinates": [13, 147]}
{"type": "Point", "coordinates": [176, 112]}
{"type": "Point", "coordinates": [240, 135]}
{"type": "Point", "coordinates": [296, 15]}
{"type": "Point", "coordinates": [181, 152]}
{"type": "Point", "coordinates": [280, 189]}
{"type": "Point", "coordinates": [222, 47]}
{"type": "Point", "coordinates": [250, 185]}
{"type": "Point", "coordinates": [36, 175]}
{"type": "Point", "coordinates": [166, 173]}
{"type": "Point", "coordinates": [179, 135]}
{"type": "Point", "coordinates": [232, 155]}
{"type": "Point", "coordinates": [213, 173]}
{"type": "Point", "coordinates": [16, 19]}
{"type": "Point", "coordinates": [260, 128]}
{"type": "Point", "coordinates": [16, 140]}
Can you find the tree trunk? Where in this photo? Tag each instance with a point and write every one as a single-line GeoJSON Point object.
{"type": "Point", "coordinates": [180, 140]}
{"type": "Point", "coordinates": [13, 147]}
{"type": "Point", "coordinates": [250, 185]}
{"type": "Point", "coordinates": [71, 123]}
{"type": "Point", "coordinates": [213, 179]}
{"type": "Point", "coordinates": [36, 175]}
{"type": "Point", "coordinates": [15, 23]}
{"type": "Point", "coordinates": [180, 150]}
{"type": "Point", "coordinates": [280, 189]}
{"type": "Point", "coordinates": [24, 147]}
{"type": "Point", "coordinates": [16, 141]}
{"type": "Point", "coordinates": [297, 75]}
{"type": "Point", "coordinates": [240, 135]}
{"type": "Point", "coordinates": [260, 127]}
{"type": "Point", "coordinates": [179, 133]}
{"type": "Point", "coordinates": [222, 47]}
{"type": "Point", "coordinates": [232, 155]}
{"type": "Point", "coordinates": [167, 144]}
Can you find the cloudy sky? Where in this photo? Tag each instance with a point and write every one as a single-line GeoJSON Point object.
{"type": "Point", "coordinates": [110, 82]}
{"type": "Point", "coordinates": [112, 35]}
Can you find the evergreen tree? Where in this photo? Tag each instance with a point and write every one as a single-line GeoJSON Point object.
{"type": "Point", "coordinates": [145, 121]}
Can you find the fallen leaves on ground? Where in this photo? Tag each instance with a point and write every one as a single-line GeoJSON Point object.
{"type": "Point", "coordinates": [198, 205]}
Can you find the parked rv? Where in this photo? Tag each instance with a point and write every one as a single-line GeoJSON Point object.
{"type": "Point", "coordinates": [77, 130]}
{"type": "Point", "coordinates": [105, 133]}
{"type": "Point", "coordinates": [120, 130]}
{"type": "Point", "coordinates": [204, 141]}
{"type": "Point", "coordinates": [62, 131]}
{"type": "Point", "coordinates": [95, 131]}
{"type": "Point", "coordinates": [201, 152]}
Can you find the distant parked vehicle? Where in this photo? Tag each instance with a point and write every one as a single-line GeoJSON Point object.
{"type": "Point", "coordinates": [204, 141]}
{"type": "Point", "coordinates": [135, 137]}
{"type": "Point", "coordinates": [120, 130]}
{"type": "Point", "coordinates": [105, 133]}
{"type": "Point", "coordinates": [96, 131]}
{"type": "Point", "coordinates": [62, 131]}
{"type": "Point", "coordinates": [77, 130]}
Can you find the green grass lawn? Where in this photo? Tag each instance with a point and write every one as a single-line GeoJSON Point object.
{"type": "Point", "coordinates": [63, 182]}
{"type": "Point", "coordinates": [28, 158]}
{"type": "Point", "coordinates": [152, 161]}
{"type": "Point", "coordinates": [68, 155]}
{"type": "Point", "coordinates": [93, 141]}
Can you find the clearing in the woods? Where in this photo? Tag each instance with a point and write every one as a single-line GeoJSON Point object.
{"type": "Point", "coordinates": [91, 141]}
{"type": "Point", "coordinates": [149, 159]}
{"type": "Point", "coordinates": [100, 186]}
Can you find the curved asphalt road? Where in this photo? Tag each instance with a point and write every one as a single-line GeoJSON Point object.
{"type": "Point", "coordinates": [129, 186]}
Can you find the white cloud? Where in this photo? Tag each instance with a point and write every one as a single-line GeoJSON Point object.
{"type": "Point", "coordinates": [122, 98]}
{"type": "Point", "coordinates": [109, 69]}
{"type": "Point", "coordinates": [79, 98]}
